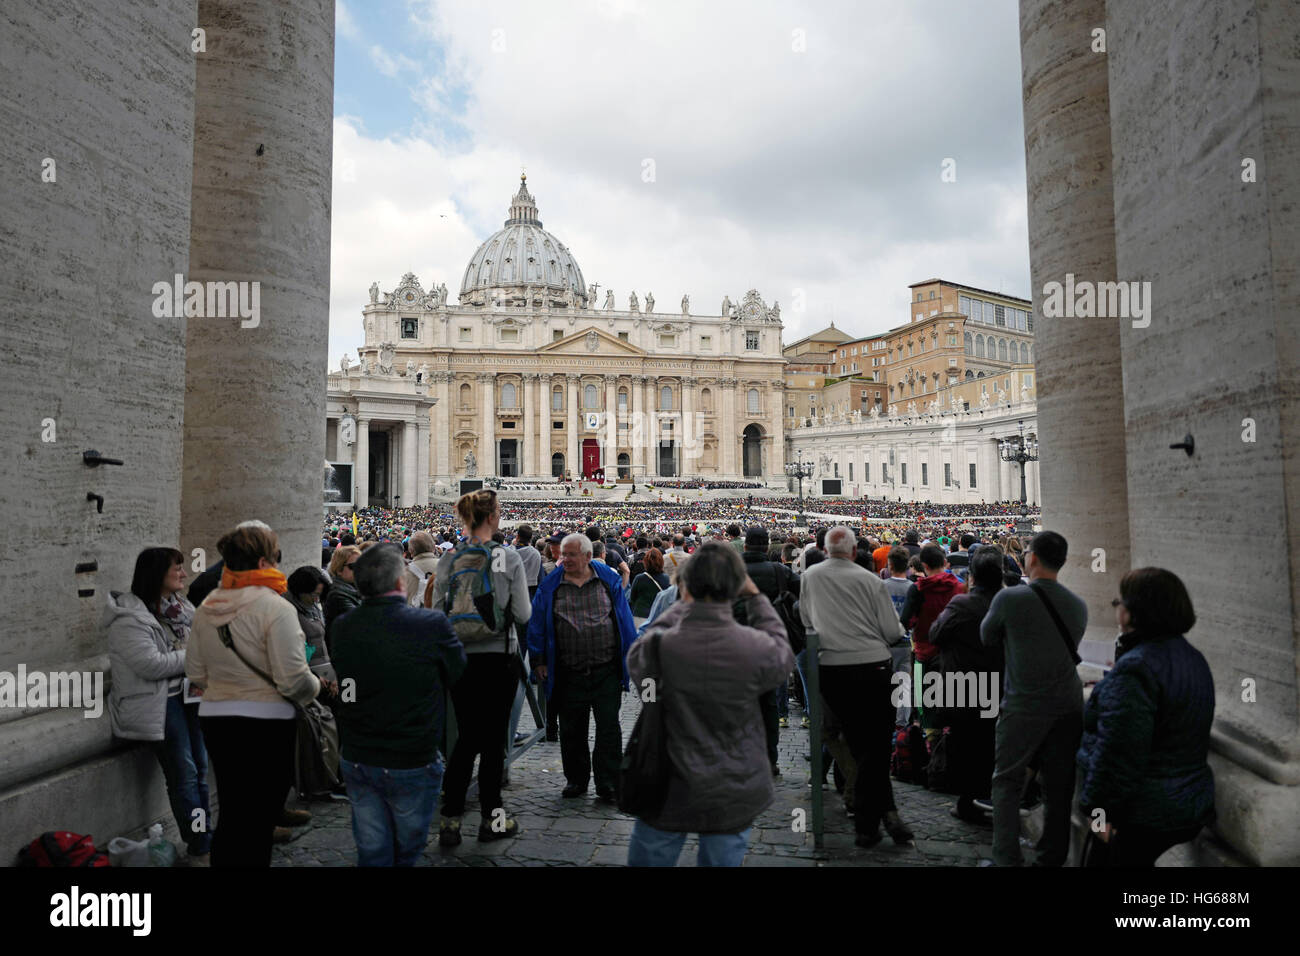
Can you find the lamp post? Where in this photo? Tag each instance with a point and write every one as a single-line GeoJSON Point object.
{"type": "Point", "coordinates": [799, 469]}
{"type": "Point", "coordinates": [1019, 450]}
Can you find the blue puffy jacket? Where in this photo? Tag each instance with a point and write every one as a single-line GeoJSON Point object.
{"type": "Point", "coordinates": [1146, 734]}
{"type": "Point", "coordinates": [541, 626]}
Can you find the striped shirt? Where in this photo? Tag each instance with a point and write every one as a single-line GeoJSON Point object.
{"type": "Point", "coordinates": [585, 634]}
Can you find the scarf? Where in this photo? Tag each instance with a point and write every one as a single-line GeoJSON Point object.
{"type": "Point", "coordinates": [173, 613]}
{"type": "Point", "coordinates": [257, 577]}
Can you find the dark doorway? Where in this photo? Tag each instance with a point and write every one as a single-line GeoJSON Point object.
{"type": "Point", "coordinates": [557, 465]}
{"type": "Point", "coordinates": [753, 455]}
{"type": "Point", "coordinates": [624, 466]}
{"type": "Point", "coordinates": [509, 458]}
{"type": "Point", "coordinates": [379, 470]}
{"type": "Point", "coordinates": [667, 459]}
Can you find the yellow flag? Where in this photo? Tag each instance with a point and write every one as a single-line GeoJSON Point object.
{"type": "Point", "coordinates": [354, 524]}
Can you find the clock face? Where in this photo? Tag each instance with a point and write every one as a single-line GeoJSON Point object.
{"type": "Point", "coordinates": [410, 296]}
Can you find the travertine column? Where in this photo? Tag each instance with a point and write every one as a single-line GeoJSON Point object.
{"type": "Point", "coordinates": [545, 415]}
{"type": "Point", "coordinates": [775, 430]}
{"type": "Point", "coordinates": [609, 457]}
{"type": "Point", "coordinates": [260, 214]}
{"type": "Point", "coordinates": [410, 468]}
{"type": "Point", "coordinates": [730, 426]}
{"type": "Point", "coordinates": [688, 438]}
{"type": "Point", "coordinates": [1072, 231]}
{"type": "Point", "coordinates": [638, 431]}
{"type": "Point", "coordinates": [363, 463]}
{"type": "Point", "coordinates": [442, 425]}
{"type": "Point", "coordinates": [572, 464]}
{"type": "Point", "coordinates": [487, 459]}
{"type": "Point", "coordinates": [528, 454]}
{"type": "Point", "coordinates": [422, 460]}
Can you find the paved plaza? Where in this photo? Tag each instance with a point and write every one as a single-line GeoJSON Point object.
{"type": "Point", "coordinates": [589, 832]}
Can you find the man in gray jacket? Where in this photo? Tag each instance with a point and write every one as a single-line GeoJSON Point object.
{"type": "Point", "coordinates": [851, 611]}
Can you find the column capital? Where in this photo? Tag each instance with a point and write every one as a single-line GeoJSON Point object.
{"type": "Point", "coordinates": [440, 378]}
{"type": "Point", "coordinates": [486, 377]}
{"type": "Point", "coordinates": [688, 383]}
{"type": "Point", "coordinates": [611, 380]}
{"type": "Point", "coordinates": [573, 377]}
{"type": "Point", "coordinates": [531, 376]}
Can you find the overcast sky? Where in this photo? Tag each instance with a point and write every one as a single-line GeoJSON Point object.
{"type": "Point", "coordinates": [812, 173]}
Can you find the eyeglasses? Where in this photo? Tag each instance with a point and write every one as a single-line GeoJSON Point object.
{"type": "Point", "coordinates": [277, 557]}
{"type": "Point", "coordinates": [1116, 602]}
{"type": "Point", "coordinates": [349, 565]}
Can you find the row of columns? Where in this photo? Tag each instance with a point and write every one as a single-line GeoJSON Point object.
{"type": "Point", "coordinates": [409, 454]}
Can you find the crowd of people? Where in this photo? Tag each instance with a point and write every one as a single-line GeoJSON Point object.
{"type": "Point", "coordinates": [422, 606]}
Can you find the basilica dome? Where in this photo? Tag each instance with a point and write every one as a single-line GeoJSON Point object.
{"type": "Point", "coordinates": [520, 255]}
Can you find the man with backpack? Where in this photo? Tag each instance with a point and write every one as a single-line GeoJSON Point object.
{"type": "Point", "coordinates": [773, 580]}
{"type": "Point", "coordinates": [578, 636]}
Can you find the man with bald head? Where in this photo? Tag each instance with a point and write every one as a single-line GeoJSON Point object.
{"type": "Point", "coordinates": [850, 609]}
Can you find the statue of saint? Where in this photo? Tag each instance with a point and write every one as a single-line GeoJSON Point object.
{"type": "Point", "coordinates": [632, 304]}
{"type": "Point", "coordinates": [609, 300]}
{"type": "Point", "coordinates": [649, 301]}
{"type": "Point", "coordinates": [374, 293]}
{"type": "Point", "coordinates": [686, 305]}
{"type": "Point", "coordinates": [347, 430]}
{"type": "Point", "coordinates": [442, 293]}
{"type": "Point", "coordinates": [911, 409]}
{"type": "Point", "coordinates": [893, 411]}
{"type": "Point", "coordinates": [874, 413]}
{"type": "Point", "coordinates": [410, 368]}
{"type": "Point", "coordinates": [471, 465]}
{"type": "Point", "coordinates": [984, 400]}
{"type": "Point", "coordinates": [422, 374]}
{"type": "Point", "coordinates": [726, 306]}
{"type": "Point", "coordinates": [1024, 394]}
{"type": "Point", "coordinates": [343, 363]}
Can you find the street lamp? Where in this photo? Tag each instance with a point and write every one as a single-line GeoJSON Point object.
{"type": "Point", "coordinates": [1019, 450]}
{"type": "Point", "coordinates": [800, 470]}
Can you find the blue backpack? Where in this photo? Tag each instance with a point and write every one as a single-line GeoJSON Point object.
{"type": "Point", "coordinates": [471, 604]}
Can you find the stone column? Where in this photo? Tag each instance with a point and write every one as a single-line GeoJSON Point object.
{"type": "Point", "coordinates": [1080, 384]}
{"type": "Point", "coordinates": [487, 459]}
{"type": "Point", "coordinates": [609, 459]}
{"type": "Point", "coordinates": [442, 428]}
{"type": "Point", "coordinates": [261, 173]}
{"type": "Point", "coordinates": [528, 454]}
{"type": "Point", "coordinates": [687, 436]}
{"type": "Point", "coordinates": [542, 454]}
{"type": "Point", "coordinates": [410, 466]}
{"type": "Point", "coordinates": [638, 431]}
{"type": "Point", "coordinates": [362, 473]}
{"type": "Point", "coordinates": [730, 426]}
{"type": "Point", "coordinates": [776, 418]}
{"type": "Point", "coordinates": [422, 459]}
{"type": "Point", "coordinates": [572, 462]}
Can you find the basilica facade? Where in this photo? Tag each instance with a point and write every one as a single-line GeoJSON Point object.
{"type": "Point", "coordinates": [532, 374]}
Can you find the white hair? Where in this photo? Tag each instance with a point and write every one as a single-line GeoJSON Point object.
{"type": "Point", "coordinates": [841, 540]}
{"type": "Point", "coordinates": [254, 523]}
{"type": "Point", "coordinates": [582, 540]}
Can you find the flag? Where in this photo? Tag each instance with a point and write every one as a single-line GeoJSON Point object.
{"type": "Point", "coordinates": [354, 524]}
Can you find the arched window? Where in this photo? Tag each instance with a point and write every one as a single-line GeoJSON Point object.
{"type": "Point", "coordinates": [1024, 354]}
{"type": "Point", "coordinates": [970, 343]}
{"type": "Point", "coordinates": [979, 346]}
{"type": "Point", "coordinates": [1002, 350]}
{"type": "Point", "coordinates": [466, 394]}
{"type": "Point", "coordinates": [706, 400]}
{"type": "Point", "coordinates": [622, 401]}
{"type": "Point", "coordinates": [557, 399]}
{"type": "Point", "coordinates": [557, 465]}
{"type": "Point", "coordinates": [508, 396]}
{"type": "Point", "coordinates": [666, 398]}
{"type": "Point", "coordinates": [751, 401]}
{"type": "Point", "coordinates": [589, 397]}
{"type": "Point", "coordinates": [980, 375]}
{"type": "Point", "coordinates": [970, 376]}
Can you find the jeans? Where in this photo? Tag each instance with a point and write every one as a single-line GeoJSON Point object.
{"type": "Point", "coordinates": [861, 697]}
{"type": "Point", "coordinates": [575, 696]}
{"type": "Point", "coordinates": [253, 760]}
{"type": "Point", "coordinates": [482, 697]}
{"type": "Point", "coordinates": [771, 727]}
{"type": "Point", "coordinates": [1051, 741]}
{"type": "Point", "coordinates": [803, 681]}
{"type": "Point", "coordinates": [783, 700]}
{"type": "Point", "coordinates": [392, 810]}
{"type": "Point", "coordinates": [652, 847]}
{"type": "Point", "coordinates": [517, 708]}
{"type": "Point", "coordinates": [184, 761]}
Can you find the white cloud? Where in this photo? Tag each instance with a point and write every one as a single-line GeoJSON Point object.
{"type": "Point", "coordinates": [344, 24]}
{"type": "Point", "coordinates": [778, 170]}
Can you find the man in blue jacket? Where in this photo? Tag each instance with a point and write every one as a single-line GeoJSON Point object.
{"type": "Point", "coordinates": [578, 637]}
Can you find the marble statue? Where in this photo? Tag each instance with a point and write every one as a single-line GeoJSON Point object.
{"type": "Point", "coordinates": [632, 304]}
{"type": "Point", "coordinates": [911, 409]}
{"type": "Point", "coordinates": [935, 406]}
{"type": "Point", "coordinates": [774, 313]}
{"type": "Point", "coordinates": [471, 465]}
{"type": "Point", "coordinates": [609, 300]}
{"type": "Point", "coordinates": [343, 363]}
{"type": "Point", "coordinates": [1024, 394]}
{"type": "Point", "coordinates": [410, 368]}
{"type": "Point", "coordinates": [874, 413]}
{"type": "Point", "coordinates": [726, 306]}
{"type": "Point", "coordinates": [422, 374]}
{"type": "Point", "coordinates": [591, 296]}
{"type": "Point", "coordinates": [374, 293]}
{"type": "Point", "coordinates": [984, 400]}
{"type": "Point", "coordinates": [347, 430]}
{"type": "Point", "coordinates": [686, 305]}
{"type": "Point", "coordinates": [442, 293]}
{"type": "Point", "coordinates": [649, 301]}
{"type": "Point", "coordinates": [893, 411]}
{"type": "Point", "coordinates": [386, 354]}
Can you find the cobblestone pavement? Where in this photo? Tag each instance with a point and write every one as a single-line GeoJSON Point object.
{"type": "Point", "coordinates": [588, 832]}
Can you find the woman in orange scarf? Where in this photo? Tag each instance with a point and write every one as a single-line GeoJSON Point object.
{"type": "Point", "coordinates": [242, 628]}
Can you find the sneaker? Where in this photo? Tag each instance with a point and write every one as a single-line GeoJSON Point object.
{"type": "Point", "coordinates": [783, 722]}
{"type": "Point", "coordinates": [281, 835]}
{"type": "Point", "coordinates": [897, 829]}
{"type": "Point", "coordinates": [449, 832]}
{"type": "Point", "coordinates": [486, 834]}
{"type": "Point", "coordinates": [805, 723]}
{"type": "Point", "coordinates": [985, 805]}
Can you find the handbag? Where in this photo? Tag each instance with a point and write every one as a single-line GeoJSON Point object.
{"type": "Point", "coordinates": [316, 748]}
{"type": "Point", "coordinates": [644, 771]}
{"type": "Point", "coordinates": [1060, 625]}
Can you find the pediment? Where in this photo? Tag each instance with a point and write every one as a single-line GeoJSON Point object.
{"type": "Point", "coordinates": [591, 341]}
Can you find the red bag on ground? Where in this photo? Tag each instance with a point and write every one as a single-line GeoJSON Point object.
{"type": "Point", "coordinates": [61, 848]}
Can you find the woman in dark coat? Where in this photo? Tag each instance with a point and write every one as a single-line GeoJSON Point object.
{"type": "Point", "coordinates": [1147, 784]}
{"type": "Point", "coordinates": [956, 632]}
{"type": "Point", "coordinates": [711, 671]}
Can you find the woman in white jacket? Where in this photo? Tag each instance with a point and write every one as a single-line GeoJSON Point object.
{"type": "Point", "coordinates": [148, 629]}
